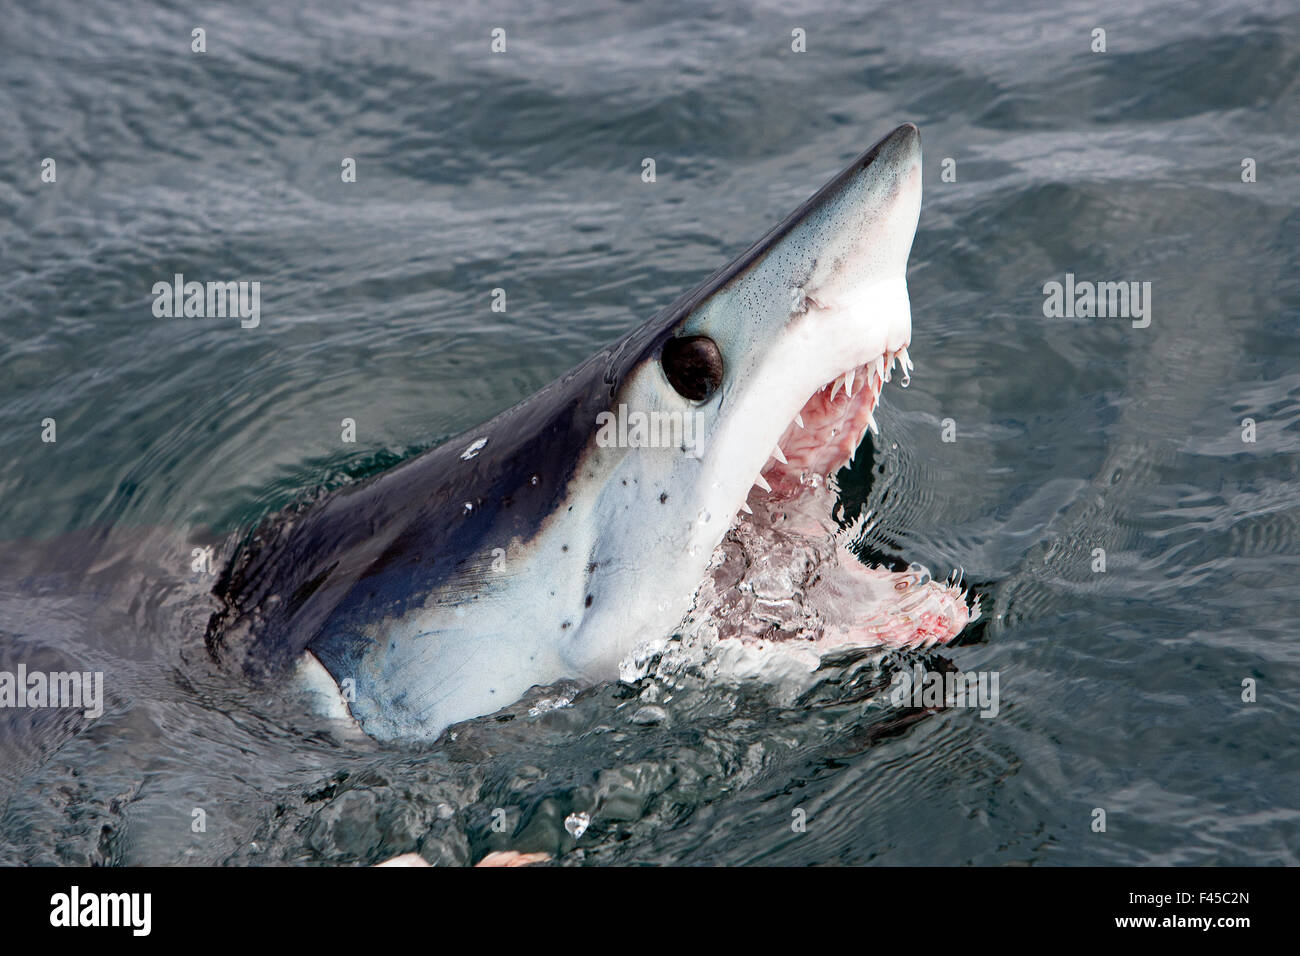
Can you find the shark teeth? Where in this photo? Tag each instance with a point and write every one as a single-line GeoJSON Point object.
{"type": "Point", "coordinates": [905, 367]}
{"type": "Point", "coordinates": [846, 382]}
{"type": "Point", "coordinates": [837, 427]}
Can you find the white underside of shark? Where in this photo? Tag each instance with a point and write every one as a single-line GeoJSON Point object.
{"type": "Point", "coordinates": [781, 357]}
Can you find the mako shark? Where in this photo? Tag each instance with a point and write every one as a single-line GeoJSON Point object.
{"type": "Point", "coordinates": [548, 543]}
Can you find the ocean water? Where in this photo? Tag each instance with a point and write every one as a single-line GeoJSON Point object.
{"type": "Point", "coordinates": [1162, 690]}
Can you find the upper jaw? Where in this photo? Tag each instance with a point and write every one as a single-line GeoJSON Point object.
{"type": "Point", "coordinates": [824, 436]}
{"type": "Point", "coordinates": [823, 294]}
{"type": "Point", "coordinates": [824, 381]}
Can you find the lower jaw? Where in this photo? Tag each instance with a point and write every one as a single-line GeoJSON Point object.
{"type": "Point", "coordinates": [785, 574]}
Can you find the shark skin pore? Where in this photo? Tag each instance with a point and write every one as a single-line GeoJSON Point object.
{"type": "Point", "coordinates": [534, 548]}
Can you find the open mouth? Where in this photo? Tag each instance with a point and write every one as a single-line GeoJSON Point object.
{"type": "Point", "coordinates": [785, 571]}
{"type": "Point", "coordinates": [825, 435]}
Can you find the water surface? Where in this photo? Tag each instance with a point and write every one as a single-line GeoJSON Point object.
{"type": "Point", "coordinates": [1120, 690]}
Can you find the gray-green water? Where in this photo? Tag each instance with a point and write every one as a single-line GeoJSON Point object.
{"type": "Point", "coordinates": [1120, 690]}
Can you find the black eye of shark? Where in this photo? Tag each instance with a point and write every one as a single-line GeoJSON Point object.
{"type": "Point", "coordinates": [386, 585]}
{"type": "Point", "coordinates": [693, 365]}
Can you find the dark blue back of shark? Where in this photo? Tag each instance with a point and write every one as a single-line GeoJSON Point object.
{"type": "Point", "coordinates": [316, 574]}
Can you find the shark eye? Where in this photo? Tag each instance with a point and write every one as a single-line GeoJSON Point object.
{"type": "Point", "coordinates": [693, 365]}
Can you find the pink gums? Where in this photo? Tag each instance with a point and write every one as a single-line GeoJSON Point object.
{"type": "Point", "coordinates": [784, 572]}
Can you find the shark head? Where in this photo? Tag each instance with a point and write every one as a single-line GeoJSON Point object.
{"type": "Point", "coordinates": [773, 368]}
{"type": "Point", "coordinates": [681, 476]}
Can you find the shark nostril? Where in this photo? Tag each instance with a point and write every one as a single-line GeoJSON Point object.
{"type": "Point", "coordinates": [693, 366]}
